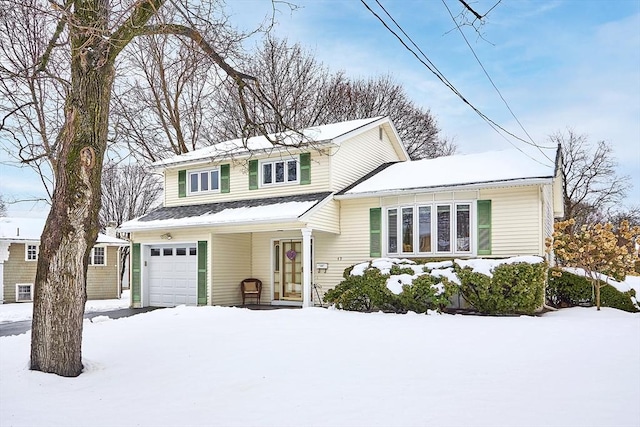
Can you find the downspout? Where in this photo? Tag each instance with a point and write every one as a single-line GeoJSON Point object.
{"type": "Point", "coordinates": [118, 272]}
{"type": "Point", "coordinates": [4, 256]}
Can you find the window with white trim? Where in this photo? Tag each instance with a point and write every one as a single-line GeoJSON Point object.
{"type": "Point", "coordinates": [24, 292]}
{"type": "Point", "coordinates": [204, 181]}
{"type": "Point", "coordinates": [278, 172]}
{"type": "Point", "coordinates": [98, 256]}
{"type": "Point", "coordinates": [433, 228]}
{"type": "Point", "coordinates": [31, 252]}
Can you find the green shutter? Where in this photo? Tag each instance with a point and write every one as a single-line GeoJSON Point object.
{"type": "Point", "coordinates": [202, 272]}
{"type": "Point", "coordinates": [224, 179]}
{"type": "Point", "coordinates": [135, 272]}
{"type": "Point", "coordinates": [375, 232]}
{"type": "Point", "coordinates": [253, 174]}
{"type": "Point", "coordinates": [182, 183]}
{"type": "Point", "coordinates": [305, 168]}
{"type": "Point", "coordinates": [484, 227]}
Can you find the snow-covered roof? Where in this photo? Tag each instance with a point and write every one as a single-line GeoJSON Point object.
{"type": "Point", "coordinates": [457, 170]}
{"type": "Point", "coordinates": [30, 230]}
{"type": "Point", "coordinates": [237, 147]}
{"type": "Point", "coordinates": [273, 209]}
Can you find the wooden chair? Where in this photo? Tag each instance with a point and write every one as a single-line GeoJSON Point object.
{"type": "Point", "coordinates": [251, 288]}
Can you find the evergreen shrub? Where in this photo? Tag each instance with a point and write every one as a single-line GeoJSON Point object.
{"type": "Point", "coordinates": [369, 292]}
{"type": "Point", "coordinates": [516, 288]}
{"type": "Point", "coordinates": [426, 293]}
{"type": "Point", "coordinates": [569, 290]}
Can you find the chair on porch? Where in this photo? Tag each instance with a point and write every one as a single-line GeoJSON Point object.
{"type": "Point", "coordinates": [251, 288]}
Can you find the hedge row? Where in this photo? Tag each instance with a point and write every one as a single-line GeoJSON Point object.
{"type": "Point", "coordinates": [565, 289]}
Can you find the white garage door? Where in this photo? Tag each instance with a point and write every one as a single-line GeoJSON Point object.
{"type": "Point", "coordinates": [173, 275]}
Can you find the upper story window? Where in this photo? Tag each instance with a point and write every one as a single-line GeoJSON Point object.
{"type": "Point", "coordinates": [98, 256]}
{"type": "Point", "coordinates": [204, 181]}
{"type": "Point", "coordinates": [279, 172]}
{"type": "Point", "coordinates": [31, 252]}
{"type": "Point", "coordinates": [437, 228]}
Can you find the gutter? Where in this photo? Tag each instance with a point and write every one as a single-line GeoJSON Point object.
{"type": "Point", "coordinates": [217, 225]}
{"type": "Point", "coordinates": [244, 154]}
{"type": "Point", "coordinates": [452, 187]}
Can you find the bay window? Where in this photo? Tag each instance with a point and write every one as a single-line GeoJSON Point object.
{"type": "Point", "coordinates": [407, 230]}
{"type": "Point", "coordinates": [392, 231]}
{"type": "Point", "coordinates": [434, 228]}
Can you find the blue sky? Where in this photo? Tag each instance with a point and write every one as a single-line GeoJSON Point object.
{"type": "Point", "coordinates": [559, 64]}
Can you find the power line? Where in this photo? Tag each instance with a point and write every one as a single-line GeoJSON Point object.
{"type": "Point", "coordinates": [492, 83]}
{"type": "Point", "coordinates": [434, 70]}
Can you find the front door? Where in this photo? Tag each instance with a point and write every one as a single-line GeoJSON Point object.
{"type": "Point", "coordinates": [287, 275]}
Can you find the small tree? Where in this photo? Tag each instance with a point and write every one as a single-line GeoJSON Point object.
{"type": "Point", "coordinates": [597, 249]}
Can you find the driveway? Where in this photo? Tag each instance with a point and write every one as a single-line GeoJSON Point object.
{"type": "Point", "coordinates": [20, 327]}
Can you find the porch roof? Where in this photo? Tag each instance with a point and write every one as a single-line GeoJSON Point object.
{"type": "Point", "coordinates": [272, 209]}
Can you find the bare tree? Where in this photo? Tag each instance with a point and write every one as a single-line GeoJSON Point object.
{"type": "Point", "coordinates": [3, 206]}
{"type": "Point", "coordinates": [164, 107]}
{"type": "Point", "coordinates": [591, 185]}
{"type": "Point", "coordinates": [77, 43]}
{"type": "Point", "coordinates": [31, 97]}
{"type": "Point", "coordinates": [128, 192]}
{"type": "Point", "coordinates": [306, 93]}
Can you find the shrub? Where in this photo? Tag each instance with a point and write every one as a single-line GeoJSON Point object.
{"type": "Point", "coordinates": [369, 292]}
{"type": "Point", "coordinates": [363, 293]}
{"type": "Point", "coordinates": [516, 288]}
{"type": "Point", "coordinates": [568, 290]}
{"type": "Point", "coordinates": [611, 297]}
{"type": "Point", "coordinates": [397, 270]}
{"type": "Point", "coordinates": [425, 293]}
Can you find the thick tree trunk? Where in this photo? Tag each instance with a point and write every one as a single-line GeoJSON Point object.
{"type": "Point", "coordinates": [72, 225]}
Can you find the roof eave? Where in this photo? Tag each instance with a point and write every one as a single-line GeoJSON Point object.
{"type": "Point", "coordinates": [204, 224]}
{"type": "Point", "coordinates": [243, 155]}
{"type": "Point", "coordinates": [435, 189]}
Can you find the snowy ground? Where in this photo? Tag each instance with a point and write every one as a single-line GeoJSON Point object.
{"type": "Point", "coordinates": [223, 366]}
{"type": "Point", "coordinates": [16, 312]}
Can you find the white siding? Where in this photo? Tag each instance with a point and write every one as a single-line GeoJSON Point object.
{"type": "Point", "coordinates": [516, 222]}
{"type": "Point", "coordinates": [358, 156]}
{"type": "Point", "coordinates": [326, 218]}
{"type": "Point", "coordinates": [351, 246]}
{"type": "Point", "coordinates": [231, 258]}
{"type": "Point", "coordinates": [239, 183]}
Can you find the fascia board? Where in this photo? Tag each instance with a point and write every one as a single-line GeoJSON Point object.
{"type": "Point", "coordinates": [421, 190]}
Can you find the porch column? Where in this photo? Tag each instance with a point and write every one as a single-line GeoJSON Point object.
{"type": "Point", "coordinates": [306, 267]}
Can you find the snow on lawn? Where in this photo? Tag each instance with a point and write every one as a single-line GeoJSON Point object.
{"type": "Point", "coordinates": [16, 312]}
{"type": "Point", "coordinates": [200, 366]}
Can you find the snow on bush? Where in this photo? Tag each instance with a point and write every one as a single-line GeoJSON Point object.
{"type": "Point", "coordinates": [519, 287]}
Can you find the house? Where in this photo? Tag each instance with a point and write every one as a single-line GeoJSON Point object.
{"type": "Point", "coordinates": [296, 215]}
{"type": "Point", "coordinates": [19, 246]}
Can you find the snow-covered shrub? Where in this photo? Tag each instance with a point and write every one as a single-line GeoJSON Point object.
{"type": "Point", "coordinates": [565, 289]}
{"type": "Point", "coordinates": [366, 292]}
{"type": "Point", "coordinates": [509, 288]}
{"type": "Point", "coordinates": [426, 293]}
{"type": "Point", "coordinates": [392, 285]}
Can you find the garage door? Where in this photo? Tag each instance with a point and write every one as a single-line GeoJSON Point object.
{"type": "Point", "coordinates": [173, 275]}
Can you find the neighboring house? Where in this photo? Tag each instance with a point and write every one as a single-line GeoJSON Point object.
{"type": "Point", "coordinates": [334, 196]}
{"type": "Point", "coordinates": [19, 247]}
